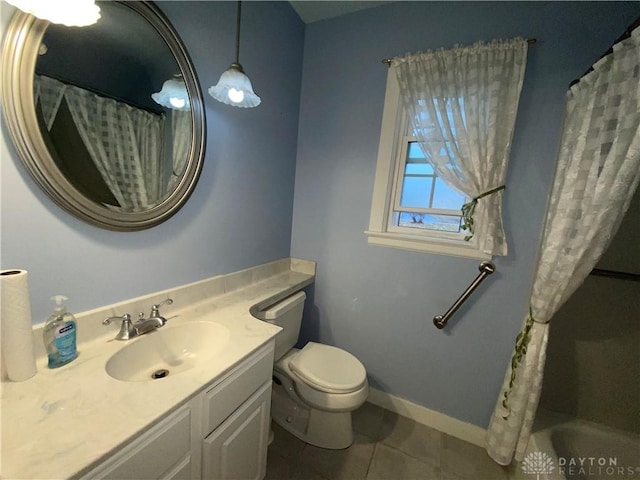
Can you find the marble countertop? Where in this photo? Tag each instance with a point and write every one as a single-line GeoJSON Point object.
{"type": "Point", "coordinates": [65, 421]}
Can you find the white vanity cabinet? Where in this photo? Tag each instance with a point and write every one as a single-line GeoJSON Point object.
{"type": "Point", "coordinates": [237, 449]}
{"type": "Point", "coordinates": [221, 433]}
{"type": "Point", "coordinates": [236, 431]}
{"type": "Point", "coordinates": [163, 452]}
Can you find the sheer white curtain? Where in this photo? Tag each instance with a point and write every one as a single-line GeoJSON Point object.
{"type": "Point", "coordinates": [463, 104]}
{"type": "Point", "coordinates": [597, 174]}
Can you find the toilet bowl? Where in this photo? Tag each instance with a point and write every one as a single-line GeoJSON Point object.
{"type": "Point", "coordinates": [315, 388]}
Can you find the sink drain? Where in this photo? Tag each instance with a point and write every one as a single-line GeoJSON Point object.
{"type": "Point", "coordinates": [163, 372]}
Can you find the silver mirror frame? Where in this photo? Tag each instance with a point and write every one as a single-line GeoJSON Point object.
{"type": "Point", "coordinates": [19, 55]}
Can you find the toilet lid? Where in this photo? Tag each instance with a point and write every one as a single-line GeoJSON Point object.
{"type": "Point", "coordinates": [328, 369]}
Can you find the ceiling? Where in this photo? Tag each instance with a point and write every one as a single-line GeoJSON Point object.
{"type": "Point", "coordinates": [313, 10]}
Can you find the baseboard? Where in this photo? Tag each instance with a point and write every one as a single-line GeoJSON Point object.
{"type": "Point", "coordinates": [425, 416]}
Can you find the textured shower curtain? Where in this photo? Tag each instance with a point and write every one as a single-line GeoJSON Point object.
{"type": "Point", "coordinates": [124, 142]}
{"type": "Point", "coordinates": [597, 174]}
{"type": "Point", "coordinates": [182, 131]}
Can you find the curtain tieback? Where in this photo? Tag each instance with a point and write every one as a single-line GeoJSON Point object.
{"type": "Point", "coordinates": [469, 208]}
{"type": "Point", "coordinates": [522, 343]}
{"type": "Point", "coordinates": [541, 323]}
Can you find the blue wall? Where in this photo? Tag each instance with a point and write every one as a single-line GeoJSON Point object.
{"type": "Point", "coordinates": [374, 301]}
{"type": "Point", "coordinates": [240, 213]}
{"type": "Point", "coordinates": [379, 302]}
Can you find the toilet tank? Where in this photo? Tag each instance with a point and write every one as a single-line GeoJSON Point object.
{"type": "Point", "coordinates": [288, 315]}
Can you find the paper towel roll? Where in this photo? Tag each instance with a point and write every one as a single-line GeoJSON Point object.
{"type": "Point", "coordinates": [15, 322]}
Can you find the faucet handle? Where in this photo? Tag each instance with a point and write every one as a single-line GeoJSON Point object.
{"type": "Point", "coordinates": [126, 329]}
{"type": "Point", "coordinates": [155, 309]}
{"type": "Point", "coordinates": [124, 318]}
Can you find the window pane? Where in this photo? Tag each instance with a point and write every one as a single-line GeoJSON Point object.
{"type": "Point", "coordinates": [446, 197]}
{"type": "Point", "coordinates": [416, 192]}
{"type": "Point", "coordinates": [418, 169]}
{"type": "Point", "coordinates": [417, 161]}
{"type": "Point", "coordinates": [424, 221]}
{"type": "Point", "coordinates": [415, 152]}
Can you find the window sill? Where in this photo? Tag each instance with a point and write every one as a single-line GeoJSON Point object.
{"type": "Point", "coordinates": [421, 244]}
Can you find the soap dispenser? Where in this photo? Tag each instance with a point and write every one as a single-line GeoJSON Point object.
{"type": "Point", "coordinates": [60, 334]}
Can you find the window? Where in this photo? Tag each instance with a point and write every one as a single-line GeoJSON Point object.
{"type": "Point", "coordinates": [421, 200]}
{"type": "Point", "coordinates": [412, 208]}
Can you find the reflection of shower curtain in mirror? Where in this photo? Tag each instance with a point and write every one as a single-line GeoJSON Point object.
{"type": "Point", "coordinates": [181, 135]}
{"type": "Point", "coordinates": [123, 141]}
{"type": "Point", "coordinates": [50, 93]}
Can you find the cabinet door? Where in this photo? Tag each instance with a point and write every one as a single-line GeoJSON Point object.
{"type": "Point", "coordinates": [237, 449]}
{"type": "Point", "coordinates": [164, 452]}
{"type": "Point", "coordinates": [225, 397]}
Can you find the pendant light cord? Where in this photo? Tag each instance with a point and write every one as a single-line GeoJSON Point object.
{"type": "Point", "coordinates": [238, 33]}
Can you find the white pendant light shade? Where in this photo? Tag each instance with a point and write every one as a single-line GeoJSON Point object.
{"type": "Point", "coordinates": [72, 13]}
{"type": "Point", "coordinates": [234, 88]}
{"type": "Point", "coordinates": [173, 95]}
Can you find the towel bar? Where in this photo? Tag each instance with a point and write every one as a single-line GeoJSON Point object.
{"type": "Point", "coordinates": [486, 269]}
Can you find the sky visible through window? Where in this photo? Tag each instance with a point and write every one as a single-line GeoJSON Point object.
{"type": "Point", "coordinates": [422, 189]}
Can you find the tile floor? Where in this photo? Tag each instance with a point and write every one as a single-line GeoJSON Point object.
{"type": "Point", "coordinates": [386, 447]}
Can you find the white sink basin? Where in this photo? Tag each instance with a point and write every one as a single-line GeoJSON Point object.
{"type": "Point", "coordinates": [168, 351]}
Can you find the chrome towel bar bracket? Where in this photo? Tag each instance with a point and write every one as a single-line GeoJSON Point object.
{"type": "Point", "coordinates": [486, 269]}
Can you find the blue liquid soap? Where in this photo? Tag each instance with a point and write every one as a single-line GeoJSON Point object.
{"type": "Point", "coordinates": [59, 334]}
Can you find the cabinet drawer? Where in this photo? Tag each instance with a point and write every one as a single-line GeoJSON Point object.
{"type": "Point", "coordinates": [221, 400]}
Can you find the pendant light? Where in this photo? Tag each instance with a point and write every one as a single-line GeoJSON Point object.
{"type": "Point", "coordinates": [72, 13]}
{"type": "Point", "coordinates": [234, 87]}
{"type": "Point", "coordinates": [173, 94]}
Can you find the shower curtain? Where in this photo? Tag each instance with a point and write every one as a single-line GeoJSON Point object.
{"type": "Point", "coordinates": [597, 173]}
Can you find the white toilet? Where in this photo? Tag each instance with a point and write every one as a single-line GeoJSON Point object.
{"type": "Point", "coordinates": [315, 389]}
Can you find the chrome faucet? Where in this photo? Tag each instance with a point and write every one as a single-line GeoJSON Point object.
{"type": "Point", "coordinates": [129, 329]}
{"type": "Point", "coordinates": [155, 320]}
{"type": "Point", "coordinates": [155, 312]}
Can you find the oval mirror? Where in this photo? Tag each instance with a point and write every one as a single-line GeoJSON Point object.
{"type": "Point", "coordinates": [91, 118]}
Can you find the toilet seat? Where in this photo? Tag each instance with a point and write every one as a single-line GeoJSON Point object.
{"type": "Point", "coordinates": [328, 369]}
{"type": "Point", "coordinates": [310, 395]}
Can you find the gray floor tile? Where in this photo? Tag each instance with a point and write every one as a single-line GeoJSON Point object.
{"type": "Point", "coordinates": [368, 420]}
{"type": "Point", "coordinates": [405, 450]}
{"type": "Point", "coordinates": [450, 476]}
{"type": "Point", "coordinates": [464, 460]}
{"type": "Point", "coordinates": [278, 467]}
{"type": "Point", "coordinates": [306, 472]}
{"type": "Point", "coordinates": [284, 443]}
{"type": "Point", "coordinates": [347, 464]}
{"type": "Point", "coordinates": [391, 464]}
{"type": "Point", "coordinates": [412, 438]}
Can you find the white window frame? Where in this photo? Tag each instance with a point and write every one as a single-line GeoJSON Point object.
{"type": "Point", "coordinates": [396, 196]}
{"type": "Point", "coordinates": [391, 158]}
